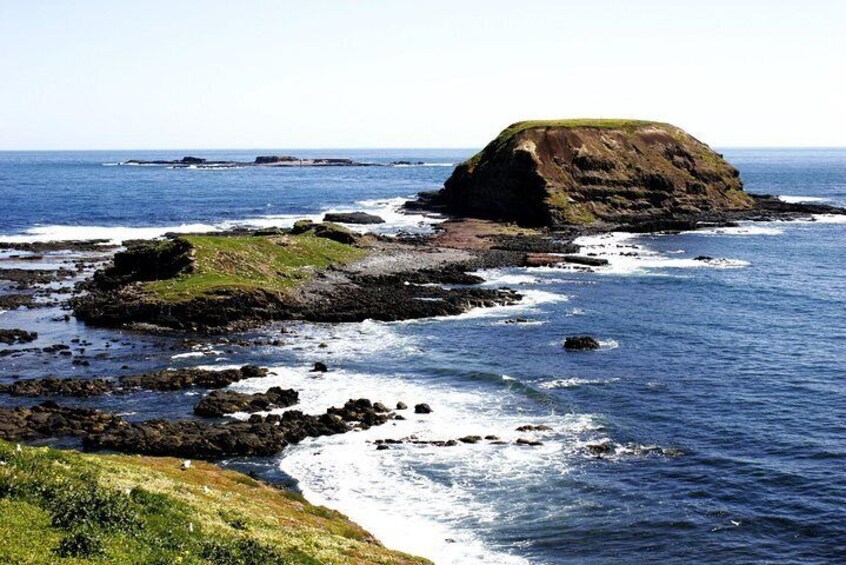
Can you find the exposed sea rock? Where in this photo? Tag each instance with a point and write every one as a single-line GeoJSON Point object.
{"type": "Point", "coordinates": [51, 420]}
{"type": "Point", "coordinates": [256, 437]}
{"type": "Point", "coordinates": [183, 378]}
{"type": "Point", "coordinates": [14, 336]}
{"type": "Point", "coordinates": [221, 402]}
{"type": "Point", "coordinates": [581, 343]}
{"type": "Point", "coordinates": [260, 161]}
{"type": "Point", "coordinates": [362, 218]}
{"type": "Point", "coordinates": [162, 381]}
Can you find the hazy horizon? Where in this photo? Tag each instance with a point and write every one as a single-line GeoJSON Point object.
{"type": "Point", "coordinates": [336, 75]}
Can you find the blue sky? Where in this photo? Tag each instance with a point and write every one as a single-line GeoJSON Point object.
{"type": "Point", "coordinates": [253, 74]}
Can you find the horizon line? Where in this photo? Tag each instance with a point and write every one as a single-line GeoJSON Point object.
{"type": "Point", "coordinates": [362, 148]}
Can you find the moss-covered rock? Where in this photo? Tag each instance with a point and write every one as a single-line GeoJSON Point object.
{"type": "Point", "coordinates": [548, 173]}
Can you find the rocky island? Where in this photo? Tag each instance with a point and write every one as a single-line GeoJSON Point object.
{"type": "Point", "coordinates": [522, 200]}
{"type": "Point", "coordinates": [607, 174]}
{"type": "Point", "coordinates": [260, 161]}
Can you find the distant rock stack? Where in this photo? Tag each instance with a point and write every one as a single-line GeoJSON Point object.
{"type": "Point", "coordinates": [553, 173]}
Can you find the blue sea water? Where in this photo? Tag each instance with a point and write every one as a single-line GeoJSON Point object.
{"type": "Point", "coordinates": [720, 388]}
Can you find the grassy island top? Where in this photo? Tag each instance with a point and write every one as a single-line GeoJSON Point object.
{"type": "Point", "coordinates": [596, 123]}
{"type": "Point", "coordinates": [67, 507]}
{"type": "Point", "coordinates": [272, 263]}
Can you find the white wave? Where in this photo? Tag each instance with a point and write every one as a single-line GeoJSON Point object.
{"type": "Point", "coordinates": [830, 218]}
{"type": "Point", "coordinates": [390, 210]}
{"type": "Point", "coordinates": [744, 229]}
{"type": "Point", "coordinates": [506, 277]}
{"type": "Point", "coordinates": [574, 382]}
{"type": "Point", "coordinates": [389, 493]}
{"type": "Point", "coordinates": [800, 199]}
{"type": "Point", "coordinates": [114, 235]}
{"type": "Point", "coordinates": [532, 299]}
{"type": "Point", "coordinates": [608, 344]}
{"type": "Point", "coordinates": [625, 257]}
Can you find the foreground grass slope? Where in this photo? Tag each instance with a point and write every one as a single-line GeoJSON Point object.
{"type": "Point", "coordinates": [68, 507]}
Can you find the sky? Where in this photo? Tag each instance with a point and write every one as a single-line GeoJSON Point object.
{"type": "Point", "coordinates": [335, 74]}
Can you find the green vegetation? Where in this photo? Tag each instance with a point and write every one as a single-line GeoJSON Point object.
{"type": "Point", "coordinates": [67, 507]}
{"type": "Point", "coordinates": [515, 128]}
{"type": "Point", "coordinates": [274, 263]}
{"type": "Point", "coordinates": [570, 212]}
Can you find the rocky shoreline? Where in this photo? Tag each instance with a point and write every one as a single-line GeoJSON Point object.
{"type": "Point", "coordinates": [195, 285]}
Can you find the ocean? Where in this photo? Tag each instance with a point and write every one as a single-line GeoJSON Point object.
{"type": "Point", "coordinates": [719, 390]}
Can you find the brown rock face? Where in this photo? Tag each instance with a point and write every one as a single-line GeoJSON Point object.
{"type": "Point", "coordinates": [580, 171]}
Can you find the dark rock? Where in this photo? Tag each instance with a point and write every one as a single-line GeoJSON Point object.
{"type": "Point", "coordinates": [319, 368]}
{"type": "Point", "coordinates": [582, 260]}
{"type": "Point", "coordinates": [82, 388]}
{"type": "Point", "coordinates": [256, 437]}
{"type": "Point", "coordinates": [528, 442]}
{"type": "Point", "coordinates": [599, 449]}
{"type": "Point", "coordinates": [353, 218]}
{"type": "Point", "coordinates": [13, 336]}
{"type": "Point", "coordinates": [183, 378]}
{"type": "Point", "coordinates": [401, 406]}
{"type": "Point", "coordinates": [422, 409]}
{"type": "Point", "coordinates": [531, 428]}
{"type": "Point", "coordinates": [470, 439]}
{"type": "Point", "coordinates": [703, 258]}
{"type": "Point", "coordinates": [580, 343]}
{"type": "Point", "coordinates": [50, 420]}
{"type": "Point", "coordinates": [221, 402]}
{"type": "Point", "coordinates": [267, 159]}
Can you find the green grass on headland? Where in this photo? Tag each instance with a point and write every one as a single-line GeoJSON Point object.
{"type": "Point", "coordinates": [598, 123]}
{"type": "Point", "coordinates": [68, 507]}
{"type": "Point", "coordinates": [272, 263]}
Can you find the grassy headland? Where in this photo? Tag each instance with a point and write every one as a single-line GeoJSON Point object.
{"type": "Point", "coordinates": [68, 507]}
{"type": "Point", "coordinates": [272, 263]}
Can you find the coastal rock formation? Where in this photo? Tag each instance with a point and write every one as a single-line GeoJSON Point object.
{"type": "Point", "coordinates": [316, 272]}
{"type": "Point", "coordinates": [256, 437]}
{"type": "Point", "coordinates": [554, 173]}
{"type": "Point", "coordinates": [162, 381]}
{"type": "Point", "coordinates": [221, 402]}
{"type": "Point", "coordinates": [50, 420]}
{"type": "Point", "coordinates": [13, 336]}
{"type": "Point", "coordinates": [183, 378]}
{"type": "Point", "coordinates": [353, 218]}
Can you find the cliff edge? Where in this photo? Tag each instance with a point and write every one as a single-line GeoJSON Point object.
{"type": "Point", "coordinates": [566, 172]}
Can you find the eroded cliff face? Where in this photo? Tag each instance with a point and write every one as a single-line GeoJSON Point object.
{"type": "Point", "coordinates": [581, 171]}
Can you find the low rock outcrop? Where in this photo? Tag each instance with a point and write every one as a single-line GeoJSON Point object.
{"type": "Point", "coordinates": [362, 218]}
{"type": "Point", "coordinates": [221, 402]}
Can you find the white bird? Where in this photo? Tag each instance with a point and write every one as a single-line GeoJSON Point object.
{"type": "Point", "coordinates": [186, 464]}
{"type": "Point", "coordinates": [735, 522]}
{"type": "Point", "coordinates": [18, 448]}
